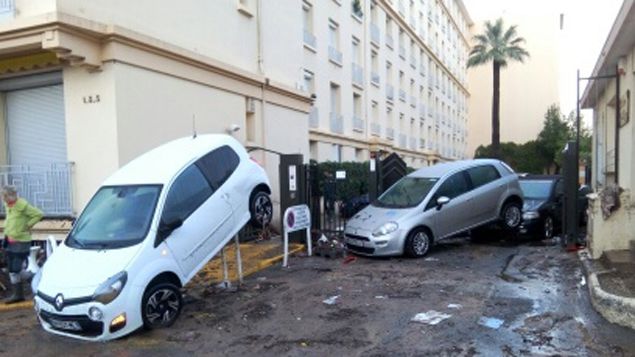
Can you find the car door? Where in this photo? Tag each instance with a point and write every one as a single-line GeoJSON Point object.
{"type": "Point", "coordinates": [206, 215]}
{"type": "Point", "coordinates": [455, 215]}
{"type": "Point", "coordinates": [488, 188]}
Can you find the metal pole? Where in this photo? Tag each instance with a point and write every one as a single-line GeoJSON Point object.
{"type": "Point", "coordinates": [617, 124]}
{"type": "Point", "coordinates": [239, 261]}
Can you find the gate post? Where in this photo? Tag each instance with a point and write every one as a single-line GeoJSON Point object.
{"type": "Point", "coordinates": [570, 214]}
{"type": "Point", "coordinates": [292, 185]}
{"type": "Point", "coordinates": [374, 182]}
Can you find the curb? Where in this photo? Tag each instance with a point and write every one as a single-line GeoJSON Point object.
{"type": "Point", "coordinates": [614, 308]}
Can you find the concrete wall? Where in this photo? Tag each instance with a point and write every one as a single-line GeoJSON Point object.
{"type": "Point", "coordinates": [526, 89]}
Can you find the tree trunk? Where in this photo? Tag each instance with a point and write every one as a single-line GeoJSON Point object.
{"type": "Point", "coordinates": [496, 137]}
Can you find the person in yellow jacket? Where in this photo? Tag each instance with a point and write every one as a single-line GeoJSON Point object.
{"type": "Point", "coordinates": [20, 218]}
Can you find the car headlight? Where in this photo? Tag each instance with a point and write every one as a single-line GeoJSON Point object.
{"type": "Point", "coordinates": [111, 288]}
{"type": "Point", "coordinates": [531, 215]}
{"type": "Point", "coordinates": [386, 228]}
{"type": "Point", "coordinates": [35, 282]}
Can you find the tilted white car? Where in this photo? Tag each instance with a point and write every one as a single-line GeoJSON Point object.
{"type": "Point", "coordinates": [145, 233]}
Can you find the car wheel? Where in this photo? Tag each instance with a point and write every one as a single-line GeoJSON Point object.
{"type": "Point", "coordinates": [511, 216]}
{"type": "Point", "coordinates": [261, 209]}
{"type": "Point", "coordinates": [547, 228]}
{"type": "Point", "coordinates": [418, 243]}
{"type": "Point", "coordinates": [161, 305]}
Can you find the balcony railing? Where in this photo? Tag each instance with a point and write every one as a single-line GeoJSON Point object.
{"type": "Point", "coordinates": [336, 123]}
{"type": "Point", "coordinates": [402, 52]}
{"type": "Point", "coordinates": [389, 41]}
{"type": "Point", "coordinates": [413, 101]}
{"type": "Point", "coordinates": [390, 92]}
{"type": "Point", "coordinates": [413, 61]}
{"type": "Point", "coordinates": [358, 124]}
{"type": "Point", "coordinates": [358, 75]}
{"type": "Point", "coordinates": [314, 119]}
{"type": "Point", "coordinates": [47, 187]}
{"type": "Point", "coordinates": [309, 39]}
{"type": "Point", "coordinates": [402, 95]}
{"type": "Point", "coordinates": [375, 129]}
{"type": "Point", "coordinates": [422, 143]}
{"type": "Point", "coordinates": [374, 78]}
{"type": "Point", "coordinates": [335, 55]}
{"type": "Point", "coordinates": [390, 133]}
{"type": "Point", "coordinates": [374, 34]}
{"type": "Point", "coordinates": [403, 141]}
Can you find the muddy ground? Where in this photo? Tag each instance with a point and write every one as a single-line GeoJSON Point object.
{"type": "Point", "coordinates": [535, 291]}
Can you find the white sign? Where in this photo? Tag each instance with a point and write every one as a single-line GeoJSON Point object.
{"type": "Point", "coordinates": [296, 218]}
{"type": "Point", "coordinates": [292, 178]}
{"type": "Point", "coordinates": [340, 175]}
{"type": "Point", "coordinates": [372, 165]}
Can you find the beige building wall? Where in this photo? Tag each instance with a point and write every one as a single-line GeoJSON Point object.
{"type": "Point", "coordinates": [526, 89]}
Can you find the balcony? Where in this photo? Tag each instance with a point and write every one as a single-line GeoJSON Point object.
{"type": "Point", "coordinates": [390, 43]}
{"type": "Point", "coordinates": [413, 143]}
{"type": "Point", "coordinates": [336, 123]}
{"type": "Point", "coordinates": [375, 129]}
{"type": "Point", "coordinates": [390, 93]}
{"type": "Point", "coordinates": [314, 119]}
{"type": "Point", "coordinates": [374, 34]}
{"type": "Point", "coordinates": [335, 56]}
{"type": "Point", "coordinates": [48, 187]}
{"type": "Point", "coordinates": [403, 141]}
{"type": "Point", "coordinates": [358, 75]}
{"type": "Point", "coordinates": [374, 78]}
{"type": "Point", "coordinates": [390, 133]}
{"type": "Point", "coordinates": [309, 39]}
{"type": "Point", "coordinates": [358, 124]}
{"type": "Point", "coordinates": [402, 95]}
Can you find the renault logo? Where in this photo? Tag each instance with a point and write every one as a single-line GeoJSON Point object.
{"type": "Point", "coordinates": [59, 302]}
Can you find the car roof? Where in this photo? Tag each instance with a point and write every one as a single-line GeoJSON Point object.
{"type": "Point", "coordinates": [159, 165]}
{"type": "Point", "coordinates": [440, 170]}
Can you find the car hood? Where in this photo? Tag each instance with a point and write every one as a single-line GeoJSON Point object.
{"type": "Point", "coordinates": [70, 269]}
{"type": "Point", "coordinates": [371, 217]}
{"type": "Point", "coordinates": [532, 204]}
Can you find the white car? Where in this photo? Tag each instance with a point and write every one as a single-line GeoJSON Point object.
{"type": "Point", "coordinates": [145, 233]}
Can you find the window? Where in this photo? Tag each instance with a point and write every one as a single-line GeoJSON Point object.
{"type": "Point", "coordinates": [454, 186]}
{"type": "Point", "coordinates": [218, 165]}
{"type": "Point", "coordinates": [308, 81]}
{"type": "Point", "coordinates": [357, 54]}
{"type": "Point", "coordinates": [307, 17]}
{"type": "Point", "coordinates": [483, 175]}
{"type": "Point", "coordinates": [334, 40]}
{"type": "Point", "coordinates": [187, 193]}
{"type": "Point", "coordinates": [335, 98]}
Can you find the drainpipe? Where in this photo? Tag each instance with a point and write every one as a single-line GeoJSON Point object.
{"type": "Point", "coordinates": [261, 71]}
{"type": "Point", "coordinates": [617, 124]}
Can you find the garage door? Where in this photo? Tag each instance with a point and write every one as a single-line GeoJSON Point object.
{"type": "Point", "coordinates": [36, 126]}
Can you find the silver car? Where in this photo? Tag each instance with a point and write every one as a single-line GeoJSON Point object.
{"type": "Point", "coordinates": [436, 202]}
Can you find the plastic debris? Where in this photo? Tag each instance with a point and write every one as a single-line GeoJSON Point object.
{"type": "Point", "coordinates": [381, 297]}
{"type": "Point", "coordinates": [583, 281]}
{"type": "Point", "coordinates": [349, 259]}
{"type": "Point", "coordinates": [431, 260]}
{"type": "Point", "coordinates": [430, 318]}
{"type": "Point", "coordinates": [455, 306]}
{"type": "Point", "coordinates": [490, 322]}
{"type": "Point", "coordinates": [331, 300]}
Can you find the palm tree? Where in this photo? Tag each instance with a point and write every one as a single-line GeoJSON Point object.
{"type": "Point", "coordinates": [497, 45]}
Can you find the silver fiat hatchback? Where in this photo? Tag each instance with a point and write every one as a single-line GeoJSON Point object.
{"type": "Point", "coordinates": [436, 202]}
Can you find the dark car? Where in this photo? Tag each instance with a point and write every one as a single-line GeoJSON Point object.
{"type": "Point", "coordinates": [542, 210]}
{"type": "Point", "coordinates": [351, 206]}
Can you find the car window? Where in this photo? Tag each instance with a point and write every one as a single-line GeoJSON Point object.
{"type": "Point", "coordinates": [452, 187]}
{"type": "Point", "coordinates": [218, 165]}
{"type": "Point", "coordinates": [536, 189]}
{"type": "Point", "coordinates": [407, 192]}
{"type": "Point", "coordinates": [483, 175]}
{"type": "Point", "coordinates": [187, 193]}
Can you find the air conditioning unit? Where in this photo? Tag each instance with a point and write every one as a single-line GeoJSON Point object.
{"type": "Point", "coordinates": [250, 106]}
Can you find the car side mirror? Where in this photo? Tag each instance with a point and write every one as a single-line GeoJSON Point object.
{"type": "Point", "coordinates": [166, 228]}
{"type": "Point", "coordinates": [442, 201]}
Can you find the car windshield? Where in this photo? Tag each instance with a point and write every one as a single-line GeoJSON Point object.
{"type": "Point", "coordinates": [536, 189]}
{"type": "Point", "coordinates": [407, 192]}
{"type": "Point", "coordinates": [116, 217]}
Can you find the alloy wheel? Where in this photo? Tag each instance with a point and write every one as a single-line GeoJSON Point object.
{"type": "Point", "coordinates": [420, 243]}
{"type": "Point", "coordinates": [548, 228]}
{"type": "Point", "coordinates": [512, 216]}
{"type": "Point", "coordinates": [263, 209]}
{"type": "Point", "coordinates": [163, 307]}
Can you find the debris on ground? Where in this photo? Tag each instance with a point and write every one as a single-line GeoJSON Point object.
{"type": "Point", "coordinates": [331, 300]}
{"type": "Point", "coordinates": [381, 297]}
{"type": "Point", "coordinates": [490, 322]}
{"type": "Point", "coordinates": [583, 281]}
{"type": "Point", "coordinates": [329, 248]}
{"type": "Point", "coordinates": [431, 260]}
{"type": "Point", "coordinates": [455, 306]}
{"type": "Point", "coordinates": [349, 259]}
{"type": "Point", "coordinates": [430, 318]}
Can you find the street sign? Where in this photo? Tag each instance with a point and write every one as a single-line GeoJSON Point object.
{"type": "Point", "coordinates": [296, 218]}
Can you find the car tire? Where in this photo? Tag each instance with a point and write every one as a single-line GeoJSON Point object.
{"type": "Point", "coordinates": [418, 243]}
{"type": "Point", "coordinates": [161, 305]}
{"type": "Point", "coordinates": [511, 216]}
{"type": "Point", "coordinates": [261, 209]}
{"type": "Point", "coordinates": [547, 228]}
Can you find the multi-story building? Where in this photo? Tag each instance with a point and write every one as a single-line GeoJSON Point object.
{"type": "Point", "coordinates": [387, 75]}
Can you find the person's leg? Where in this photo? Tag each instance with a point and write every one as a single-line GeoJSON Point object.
{"type": "Point", "coordinates": [16, 264]}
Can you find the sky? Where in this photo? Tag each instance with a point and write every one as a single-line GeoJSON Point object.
{"type": "Point", "coordinates": [587, 24]}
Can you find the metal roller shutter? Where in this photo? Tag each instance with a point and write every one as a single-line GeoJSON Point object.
{"type": "Point", "coordinates": [36, 126]}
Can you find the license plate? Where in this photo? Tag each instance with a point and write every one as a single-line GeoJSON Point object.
{"type": "Point", "coordinates": [356, 242]}
{"type": "Point", "coordinates": [65, 325]}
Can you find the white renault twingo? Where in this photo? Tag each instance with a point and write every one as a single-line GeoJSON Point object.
{"type": "Point", "coordinates": [145, 233]}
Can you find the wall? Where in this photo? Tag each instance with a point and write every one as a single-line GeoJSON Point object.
{"type": "Point", "coordinates": [91, 129]}
{"type": "Point", "coordinates": [614, 233]}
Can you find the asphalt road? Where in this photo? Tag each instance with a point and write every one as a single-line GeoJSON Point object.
{"type": "Point", "coordinates": [497, 299]}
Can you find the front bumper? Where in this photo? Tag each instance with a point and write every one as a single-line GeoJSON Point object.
{"type": "Point", "coordinates": [73, 321]}
{"type": "Point", "coordinates": [531, 226]}
{"type": "Point", "coordinates": [364, 243]}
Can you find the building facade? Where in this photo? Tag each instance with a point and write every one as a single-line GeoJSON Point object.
{"type": "Point", "coordinates": [611, 222]}
{"type": "Point", "coordinates": [86, 87]}
{"type": "Point", "coordinates": [387, 75]}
